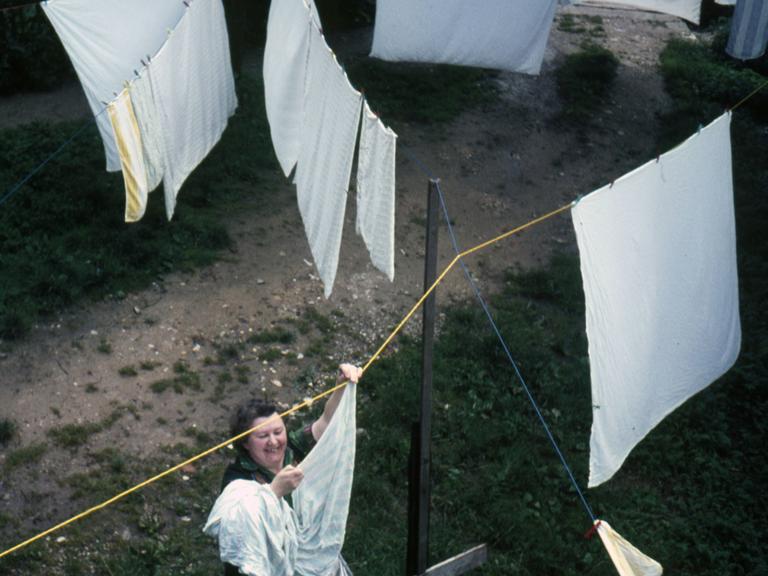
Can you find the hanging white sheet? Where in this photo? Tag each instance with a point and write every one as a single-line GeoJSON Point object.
{"type": "Point", "coordinates": [194, 92]}
{"type": "Point", "coordinates": [687, 9]}
{"type": "Point", "coordinates": [329, 134]}
{"type": "Point", "coordinates": [286, 54]}
{"type": "Point", "coordinates": [658, 260]}
{"type": "Point", "coordinates": [261, 534]}
{"type": "Point", "coordinates": [149, 126]}
{"type": "Point", "coordinates": [376, 191]}
{"type": "Point", "coordinates": [106, 41]}
{"type": "Point", "coordinates": [503, 34]}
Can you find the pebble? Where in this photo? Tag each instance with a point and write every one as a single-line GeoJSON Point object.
{"type": "Point", "coordinates": [277, 383]}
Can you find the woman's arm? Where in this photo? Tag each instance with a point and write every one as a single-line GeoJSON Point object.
{"type": "Point", "coordinates": [346, 372]}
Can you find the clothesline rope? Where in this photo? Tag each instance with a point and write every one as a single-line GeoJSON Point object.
{"type": "Point", "coordinates": [16, 6]}
{"type": "Point", "coordinates": [504, 345]}
{"type": "Point", "coordinates": [297, 407]}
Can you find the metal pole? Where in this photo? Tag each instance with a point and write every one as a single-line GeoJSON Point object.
{"type": "Point", "coordinates": [418, 536]}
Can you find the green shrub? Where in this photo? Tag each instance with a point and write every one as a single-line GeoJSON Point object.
{"type": "Point", "coordinates": [275, 335]}
{"type": "Point", "coordinates": [31, 55]}
{"type": "Point", "coordinates": [584, 80]}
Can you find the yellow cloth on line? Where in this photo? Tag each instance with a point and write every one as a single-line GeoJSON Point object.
{"type": "Point", "coordinates": [128, 140]}
{"type": "Point", "coordinates": [629, 561]}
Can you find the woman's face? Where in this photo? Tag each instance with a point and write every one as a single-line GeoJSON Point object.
{"type": "Point", "coordinates": [267, 444]}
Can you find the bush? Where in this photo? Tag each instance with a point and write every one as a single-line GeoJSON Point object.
{"type": "Point", "coordinates": [31, 55]}
{"type": "Point", "coordinates": [584, 80]}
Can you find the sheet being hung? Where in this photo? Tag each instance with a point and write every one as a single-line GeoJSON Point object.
{"type": "Point", "coordinates": [285, 70]}
{"type": "Point", "coordinates": [504, 34]}
{"type": "Point", "coordinates": [331, 119]}
{"type": "Point", "coordinates": [128, 141]}
{"type": "Point", "coordinates": [687, 9]}
{"type": "Point", "coordinates": [749, 30]}
{"type": "Point", "coordinates": [376, 191]}
{"type": "Point", "coordinates": [106, 41]}
{"type": "Point", "coordinates": [658, 260]}
{"type": "Point", "coordinates": [322, 499]}
{"type": "Point", "coordinates": [194, 92]}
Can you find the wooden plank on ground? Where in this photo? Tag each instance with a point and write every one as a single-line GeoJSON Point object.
{"type": "Point", "coordinates": [460, 563]}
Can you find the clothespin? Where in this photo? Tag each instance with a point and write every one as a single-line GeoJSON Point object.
{"type": "Point", "coordinates": [611, 184]}
{"type": "Point", "coordinates": [657, 158]}
{"type": "Point", "coordinates": [591, 532]}
{"type": "Point", "coordinates": [185, 3]}
{"type": "Point", "coordinates": [577, 200]}
{"type": "Point", "coordinates": [698, 130]}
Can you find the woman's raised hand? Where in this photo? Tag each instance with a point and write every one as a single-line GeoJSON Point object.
{"type": "Point", "coordinates": [286, 481]}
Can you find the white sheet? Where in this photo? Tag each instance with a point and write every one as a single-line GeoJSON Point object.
{"type": "Point", "coordinates": [194, 92]}
{"type": "Point", "coordinates": [329, 134]}
{"type": "Point", "coordinates": [261, 534]}
{"type": "Point", "coordinates": [106, 41]}
{"type": "Point", "coordinates": [376, 191]}
{"type": "Point", "coordinates": [627, 559]}
{"type": "Point", "coordinates": [285, 75]}
{"type": "Point", "coordinates": [687, 9]}
{"type": "Point", "coordinates": [149, 126]}
{"type": "Point", "coordinates": [504, 34]}
{"type": "Point", "coordinates": [658, 260]}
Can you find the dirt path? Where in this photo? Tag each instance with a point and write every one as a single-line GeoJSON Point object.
{"type": "Point", "coordinates": [499, 167]}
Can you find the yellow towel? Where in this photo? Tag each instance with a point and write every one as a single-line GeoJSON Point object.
{"type": "Point", "coordinates": [629, 561]}
{"type": "Point", "coordinates": [128, 140]}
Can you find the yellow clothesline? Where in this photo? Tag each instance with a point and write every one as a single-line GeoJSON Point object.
{"type": "Point", "coordinates": [295, 408]}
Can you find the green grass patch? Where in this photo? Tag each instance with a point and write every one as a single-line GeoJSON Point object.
{"type": "Point", "coordinates": [128, 371]}
{"type": "Point", "coordinates": [26, 455]}
{"type": "Point", "coordinates": [73, 435]}
{"type": "Point", "coordinates": [270, 355]}
{"type": "Point", "coordinates": [277, 335]}
{"type": "Point", "coordinates": [584, 81]}
{"type": "Point", "coordinates": [424, 93]}
{"type": "Point", "coordinates": [62, 238]}
{"type": "Point", "coordinates": [184, 379]}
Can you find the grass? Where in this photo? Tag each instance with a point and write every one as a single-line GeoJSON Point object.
{"type": "Point", "coordinates": [277, 335]}
{"type": "Point", "coordinates": [421, 93]}
{"type": "Point", "coordinates": [46, 266]}
{"type": "Point", "coordinates": [127, 371]}
{"type": "Point", "coordinates": [73, 435]}
{"type": "Point", "coordinates": [584, 80]}
{"type": "Point", "coordinates": [7, 430]}
{"type": "Point", "coordinates": [23, 456]}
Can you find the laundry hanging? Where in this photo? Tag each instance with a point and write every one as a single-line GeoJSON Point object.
{"type": "Point", "coordinates": [658, 260]}
{"type": "Point", "coordinates": [329, 134]}
{"type": "Point", "coordinates": [129, 148]}
{"type": "Point", "coordinates": [194, 92]}
{"type": "Point", "coordinates": [749, 30]}
{"type": "Point", "coordinates": [627, 559]}
{"type": "Point", "coordinates": [376, 191]}
{"type": "Point", "coordinates": [152, 145]}
{"type": "Point", "coordinates": [687, 9]}
{"type": "Point", "coordinates": [503, 34]}
{"type": "Point", "coordinates": [106, 41]}
{"type": "Point", "coordinates": [260, 533]}
{"type": "Point", "coordinates": [285, 75]}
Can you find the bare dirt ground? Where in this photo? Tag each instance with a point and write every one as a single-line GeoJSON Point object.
{"type": "Point", "coordinates": [499, 167]}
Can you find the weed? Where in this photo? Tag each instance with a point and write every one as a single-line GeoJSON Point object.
{"type": "Point", "coordinates": [228, 352]}
{"type": "Point", "coordinates": [128, 371]}
{"type": "Point", "coordinates": [104, 347]}
{"type": "Point", "coordinates": [23, 456]}
{"type": "Point", "coordinates": [224, 377]}
{"type": "Point", "coordinates": [162, 421]}
{"type": "Point", "coordinates": [148, 365]}
{"type": "Point", "coordinates": [275, 335]}
{"type": "Point", "coordinates": [242, 372]}
{"type": "Point", "coordinates": [91, 388]}
{"type": "Point", "coordinates": [55, 411]}
{"type": "Point", "coordinates": [73, 435]}
{"type": "Point", "coordinates": [270, 354]}
{"type": "Point", "coordinates": [321, 322]}
{"type": "Point", "coordinates": [184, 380]}
{"type": "Point", "coordinates": [7, 430]}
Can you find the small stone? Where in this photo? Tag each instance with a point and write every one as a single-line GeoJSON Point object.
{"type": "Point", "coordinates": [185, 478]}
{"type": "Point", "coordinates": [185, 519]}
{"type": "Point", "coordinates": [299, 356]}
{"type": "Point", "coordinates": [136, 310]}
{"type": "Point", "coordinates": [259, 281]}
{"type": "Point", "coordinates": [61, 539]}
{"type": "Point", "coordinates": [277, 383]}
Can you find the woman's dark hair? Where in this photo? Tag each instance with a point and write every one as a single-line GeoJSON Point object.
{"type": "Point", "coordinates": [244, 416]}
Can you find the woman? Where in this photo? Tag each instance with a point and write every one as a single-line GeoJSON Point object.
{"type": "Point", "coordinates": [268, 458]}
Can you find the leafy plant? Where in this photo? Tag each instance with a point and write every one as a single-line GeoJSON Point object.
{"type": "Point", "coordinates": [584, 80]}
